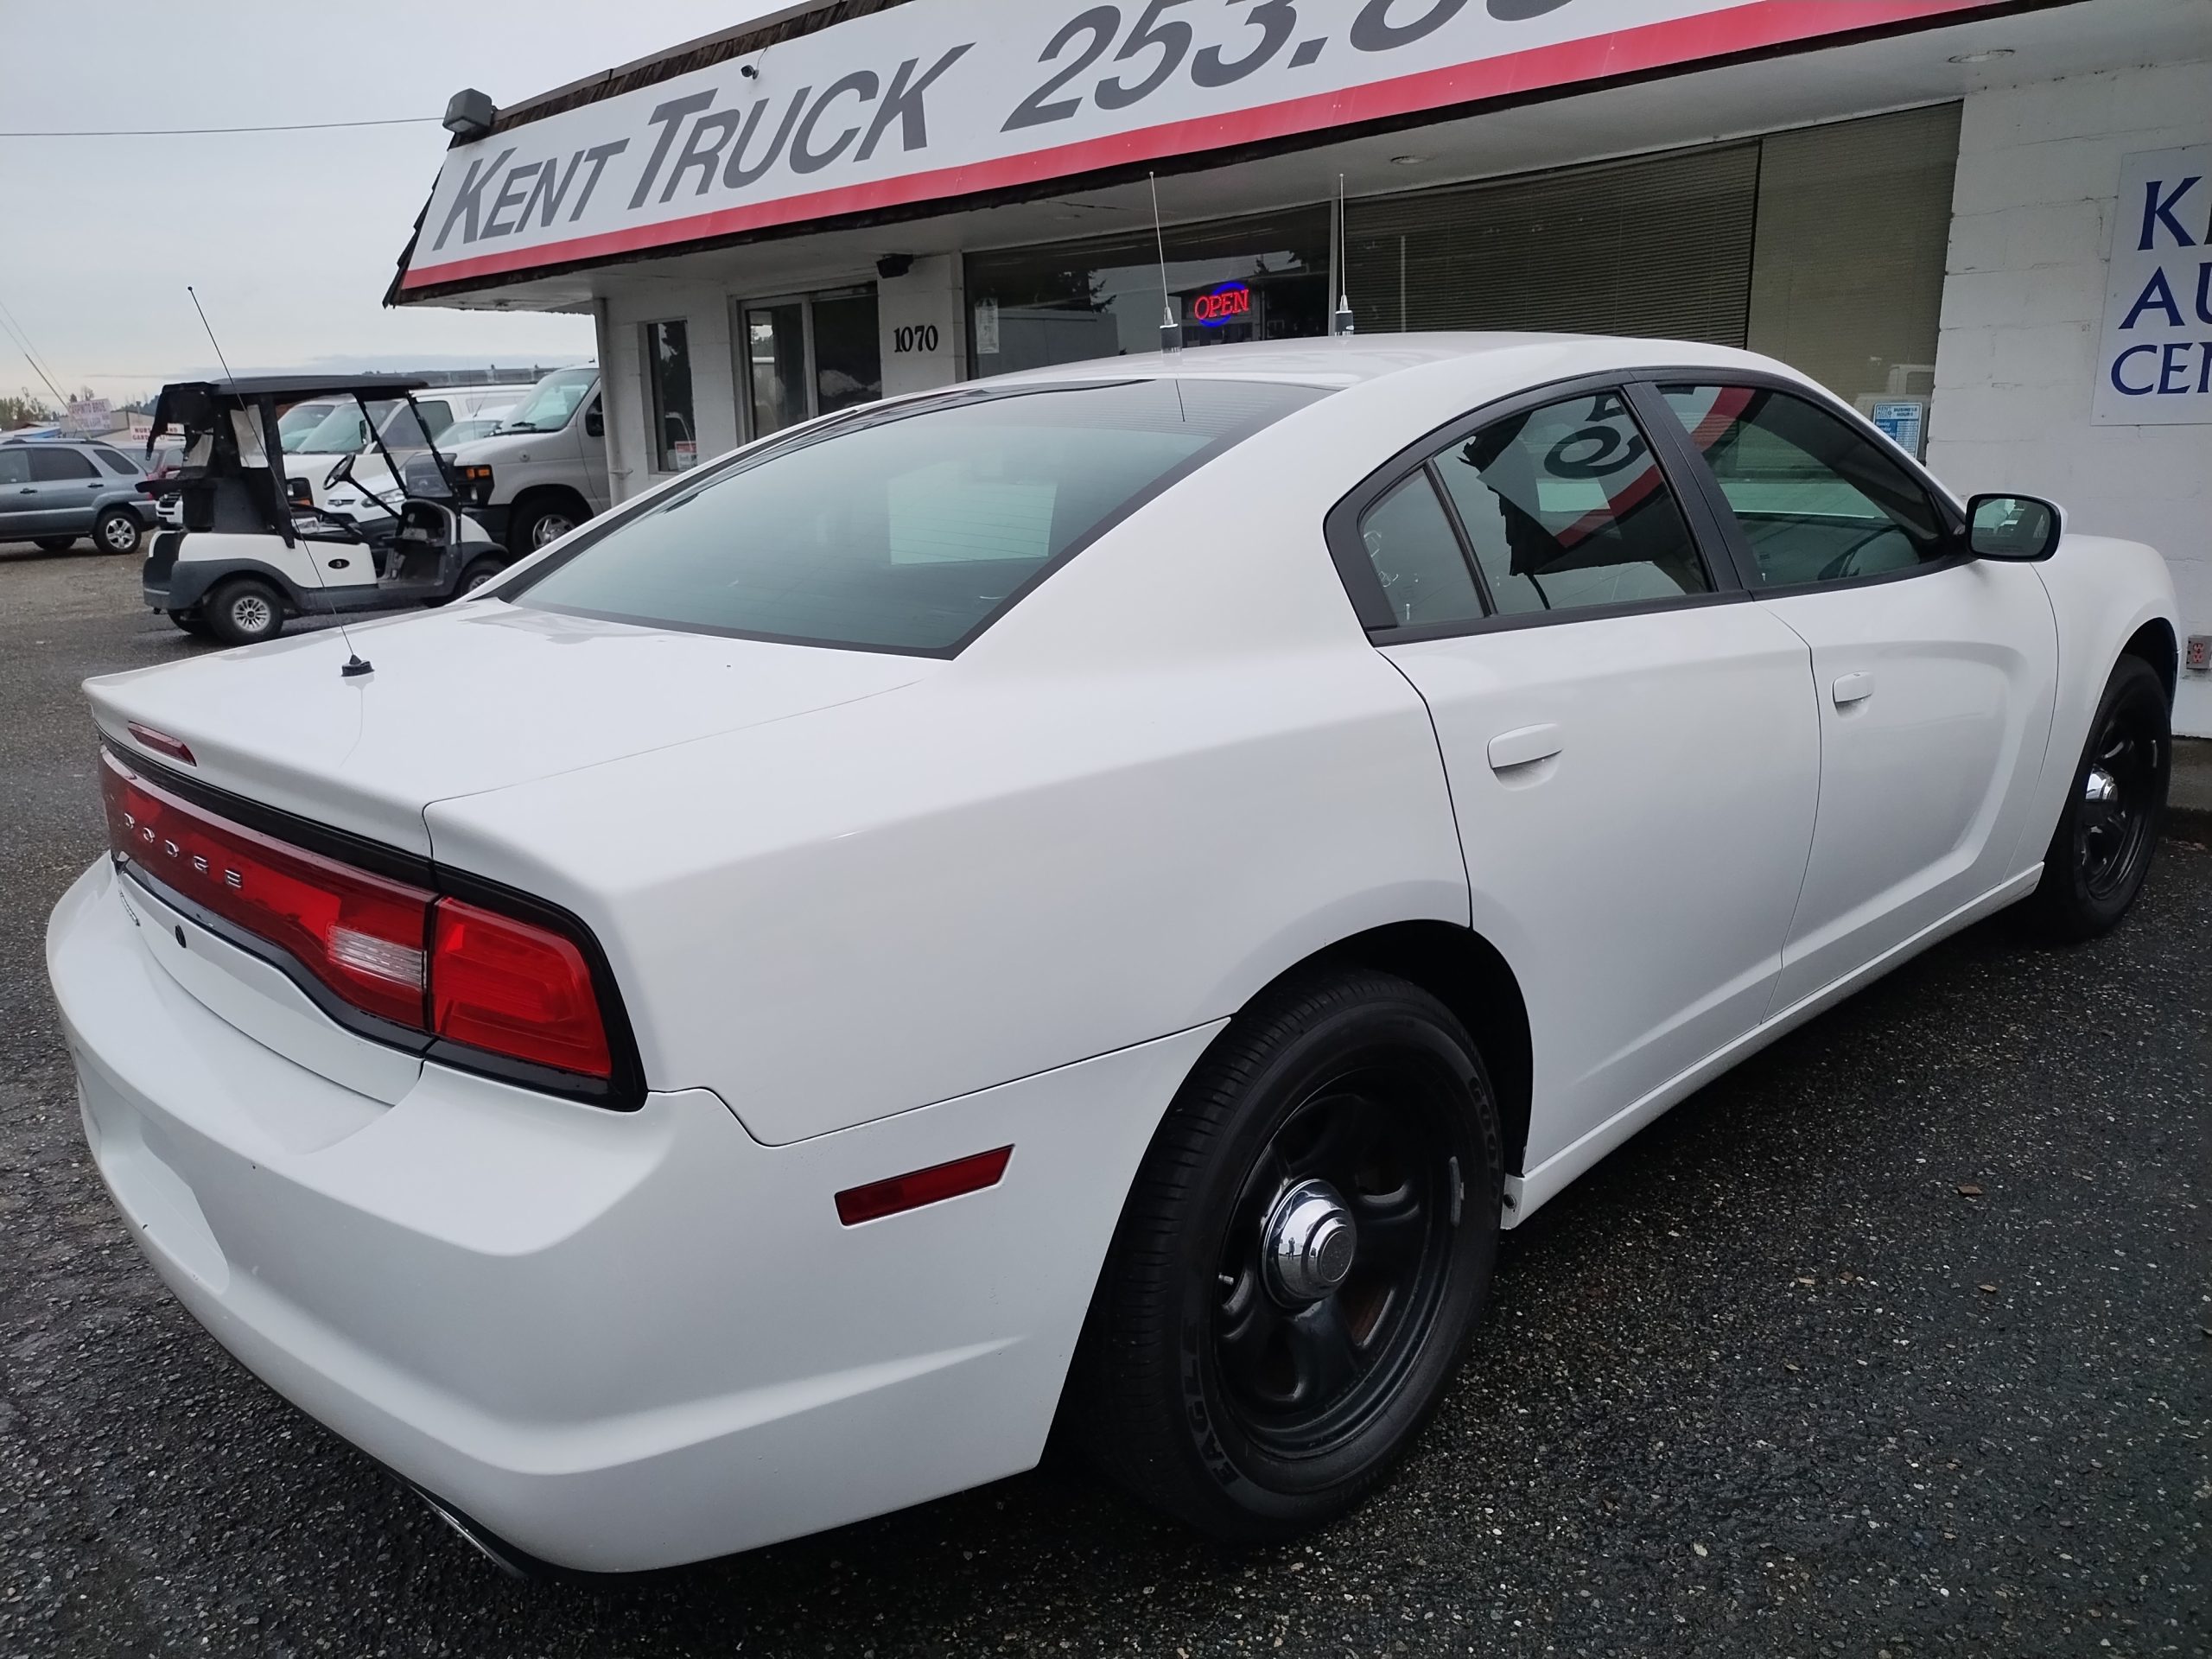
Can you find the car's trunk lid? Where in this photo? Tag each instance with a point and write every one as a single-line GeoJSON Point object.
{"type": "Point", "coordinates": [478, 697]}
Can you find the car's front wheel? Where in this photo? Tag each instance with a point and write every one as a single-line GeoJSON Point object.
{"type": "Point", "coordinates": [244, 610]}
{"type": "Point", "coordinates": [1298, 1268]}
{"type": "Point", "coordinates": [2101, 849]}
{"type": "Point", "coordinates": [117, 532]}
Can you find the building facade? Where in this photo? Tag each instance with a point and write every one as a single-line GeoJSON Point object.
{"type": "Point", "coordinates": [1989, 226]}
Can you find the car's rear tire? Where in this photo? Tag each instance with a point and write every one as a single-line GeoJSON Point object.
{"type": "Point", "coordinates": [243, 611]}
{"type": "Point", "coordinates": [2101, 850]}
{"type": "Point", "coordinates": [55, 543]}
{"type": "Point", "coordinates": [117, 532]}
{"type": "Point", "coordinates": [1239, 1370]}
{"type": "Point", "coordinates": [190, 622]}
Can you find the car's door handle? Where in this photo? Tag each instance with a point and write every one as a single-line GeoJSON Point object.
{"type": "Point", "coordinates": [1525, 745]}
{"type": "Point", "coordinates": [1854, 688]}
{"type": "Point", "coordinates": [27, 489]}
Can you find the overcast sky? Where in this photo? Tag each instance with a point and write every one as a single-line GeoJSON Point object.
{"type": "Point", "coordinates": [290, 238]}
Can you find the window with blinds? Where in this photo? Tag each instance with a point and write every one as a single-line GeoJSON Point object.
{"type": "Point", "coordinates": [1658, 245]}
{"type": "Point", "coordinates": [1847, 278]}
{"type": "Point", "coordinates": [1823, 246]}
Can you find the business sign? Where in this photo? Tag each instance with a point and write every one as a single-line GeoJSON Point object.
{"type": "Point", "coordinates": [1225, 304]}
{"type": "Point", "coordinates": [2154, 364]}
{"type": "Point", "coordinates": [936, 100]}
{"type": "Point", "coordinates": [89, 417]}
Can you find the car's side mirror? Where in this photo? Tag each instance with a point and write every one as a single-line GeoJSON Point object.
{"type": "Point", "coordinates": [2020, 528]}
{"type": "Point", "coordinates": [299, 493]}
{"type": "Point", "coordinates": [594, 424]}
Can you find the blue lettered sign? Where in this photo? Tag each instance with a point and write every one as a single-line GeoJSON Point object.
{"type": "Point", "coordinates": [2154, 362]}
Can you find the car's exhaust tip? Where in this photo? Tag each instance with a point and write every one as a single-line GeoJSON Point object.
{"type": "Point", "coordinates": [515, 1563]}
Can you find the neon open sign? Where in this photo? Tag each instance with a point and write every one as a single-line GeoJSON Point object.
{"type": "Point", "coordinates": [1224, 304]}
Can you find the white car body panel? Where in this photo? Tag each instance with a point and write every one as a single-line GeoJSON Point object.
{"type": "Point", "coordinates": [1950, 678]}
{"type": "Point", "coordinates": [454, 1282]}
{"type": "Point", "coordinates": [871, 912]}
{"type": "Point", "coordinates": [366, 755]}
{"type": "Point", "coordinates": [1689, 731]}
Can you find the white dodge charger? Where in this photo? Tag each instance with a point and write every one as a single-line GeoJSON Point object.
{"type": "Point", "coordinates": [1091, 896]}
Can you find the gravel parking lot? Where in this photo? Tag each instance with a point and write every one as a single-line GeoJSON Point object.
{"type": "Point", "coordinates": [1895, 1342]}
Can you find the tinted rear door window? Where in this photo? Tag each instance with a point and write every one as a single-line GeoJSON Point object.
{"type": "Point", "coordinates": [910, 528]}
{"type": "Point", "coordinates": [61, 465]}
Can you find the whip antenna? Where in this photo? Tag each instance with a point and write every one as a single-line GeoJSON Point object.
{"type": "Point", "coordinates": [212, 340]}
{"type": "Point", "coordinates": [1342, 322]}
{"type": "Point", "coordinates": [1171, 332]}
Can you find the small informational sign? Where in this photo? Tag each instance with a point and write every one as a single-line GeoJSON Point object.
{"type": "Point", "coordinates": [987, 327]}
{"type": "Point", "coordinates": [684, 455]}
{"type": "Point", "coordinates": [2154, 361]}
{"type": "Point", "coordinates": [89, 417]}
{"type": "Point", "coordinates": [1903, 419]}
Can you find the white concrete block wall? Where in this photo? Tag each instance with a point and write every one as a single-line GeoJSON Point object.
{"type": "Point", "coordinates": [705, 311]}
{"type": "Point", "coordinates": [2033, 212]}
{"type": "Point", "coordinates": [925, 340]}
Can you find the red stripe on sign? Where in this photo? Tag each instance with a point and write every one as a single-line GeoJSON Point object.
{"type": "Point", "coordinates": [1750, 28]}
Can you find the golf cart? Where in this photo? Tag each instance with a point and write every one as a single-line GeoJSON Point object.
{"type": "Point", "coordinates": [240, 553]}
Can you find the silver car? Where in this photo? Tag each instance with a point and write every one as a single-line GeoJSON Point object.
{"type": "Point", "coordinates": [53, 490]}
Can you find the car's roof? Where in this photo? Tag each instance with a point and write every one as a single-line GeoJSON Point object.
{"type": "Point", "coordinates": [1349, 359]}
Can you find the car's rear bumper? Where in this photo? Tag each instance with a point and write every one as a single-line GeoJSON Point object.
{"type": "Point", "coordinates": [617, 1340]}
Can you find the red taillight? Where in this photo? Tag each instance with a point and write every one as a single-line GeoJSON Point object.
{"type": "Point", "coordinates": [525, 992]}
{"type": "Point", "coordinates": [360, 935]}
{"type": "Point", "coordinates": [878, 1198]}
{"type": "Point", "coordinates": [434, 964]}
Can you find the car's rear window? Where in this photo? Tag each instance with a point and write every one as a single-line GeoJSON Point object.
{"type": "Point", "coordinates": [910, 528]}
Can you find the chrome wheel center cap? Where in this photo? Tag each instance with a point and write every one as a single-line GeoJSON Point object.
{"type": "Point", "coordinates": [2100, 786]}
{"type": "Point", "coordinates": [1307, 1242]}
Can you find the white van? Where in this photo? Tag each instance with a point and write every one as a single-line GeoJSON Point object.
{"type": "Point", "coordinates": [345, 430]}
{"type": "Point", "coordinates": [542, 473]}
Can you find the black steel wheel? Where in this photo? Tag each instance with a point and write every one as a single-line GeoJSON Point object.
{"type": "Point", "coordinates": [2100, 851]}
{"type": "Point", "coordinates": [1337, 1252]}
{"type": "Point", "coordinates": [1300, 1263]}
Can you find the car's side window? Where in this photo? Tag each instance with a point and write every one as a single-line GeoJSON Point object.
{"type": "Point", "coordinates": [59, 466]}
{"type": "Point", "coordinates": [1817, 501]}
{"type": "Point", "coordinates": [1566, 508]}
{"type": "Point", "coordinates": [1416, 556]}
{"type": "Point", "coordinates": [15, 467]}
{"type": "Point", "coordinates": [116, 463]}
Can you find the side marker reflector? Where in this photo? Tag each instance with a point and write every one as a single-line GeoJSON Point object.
{"type": "Point", "coordinates": [887, 1198]}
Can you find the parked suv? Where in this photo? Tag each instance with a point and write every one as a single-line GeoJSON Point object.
{"type": "Point", "coordinates": [53, 490]}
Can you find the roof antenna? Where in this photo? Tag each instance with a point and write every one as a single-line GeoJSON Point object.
{"type": "Point", "coordinates": [212, 340]}
{"type": "Point", "coordinates": [1171, 332]}
{"type": "Point", "coordinates": [1342, 322]}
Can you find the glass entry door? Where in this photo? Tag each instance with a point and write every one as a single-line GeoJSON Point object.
{"type": "Point", "coordinates": [810, 354]}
